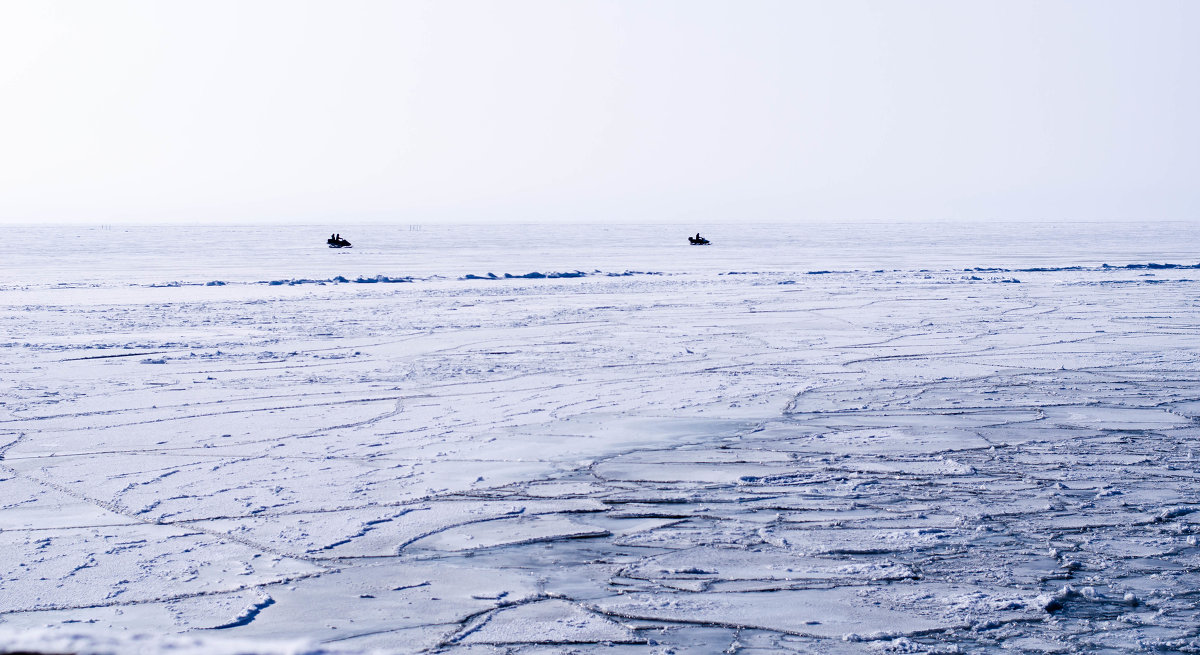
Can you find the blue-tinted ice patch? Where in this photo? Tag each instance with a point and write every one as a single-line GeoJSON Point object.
{"type": "Point", "coordinates": [341, 279]}
{"type": "Point", "coordinates": [538, 275]}
{"type": "Point", "coordinates": [1152, 266]}
{"type": "Point", "coordinates": [389, 279]}
{"type": "Point", "coordinates": [1062, 269]}
{"type": "Point", "coordinates": [535, 275]}
{"type": "Point", "coordinates": [380, 279]}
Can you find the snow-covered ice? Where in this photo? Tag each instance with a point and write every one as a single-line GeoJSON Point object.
{"type": "Point", "coordinates": [578, 439]}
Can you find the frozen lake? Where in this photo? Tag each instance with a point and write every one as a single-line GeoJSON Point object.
{"type": "Point", "coordinates": [835, 439]}
{"type": "Point", "coordinates": [158, 254]}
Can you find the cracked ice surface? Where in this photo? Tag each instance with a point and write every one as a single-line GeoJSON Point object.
{"type": "Point", "coordinates": [903, 460]}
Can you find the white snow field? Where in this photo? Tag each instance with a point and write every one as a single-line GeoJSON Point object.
{"type": "Point", "coordinates": [846, 439]}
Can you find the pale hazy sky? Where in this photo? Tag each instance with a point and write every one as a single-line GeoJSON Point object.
{"type": "Point", "coordinates": [342, 111]}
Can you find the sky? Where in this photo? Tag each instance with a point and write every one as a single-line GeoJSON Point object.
{"type": "Point", "coordinates": [305, 111]}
